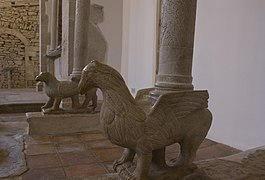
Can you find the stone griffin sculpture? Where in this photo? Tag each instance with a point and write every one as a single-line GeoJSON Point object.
{"type": "Point", "coordinates": [145, 127]}
{"type": "Point", "coordinates": [57, 90]}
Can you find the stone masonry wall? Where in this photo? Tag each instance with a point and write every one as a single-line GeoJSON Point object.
{"type": "Point", "coordinates": [12, 52]}
{"type": "Point", "coordinates": [19, 42]}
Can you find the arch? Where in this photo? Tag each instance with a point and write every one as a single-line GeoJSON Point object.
{"type": "Point", "coordinates": [15, 33]}
{"type": "Point", "coordinates": [28, 51]}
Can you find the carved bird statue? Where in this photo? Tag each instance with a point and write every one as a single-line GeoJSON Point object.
{"type": "Point", "coordinates": [145, 127]}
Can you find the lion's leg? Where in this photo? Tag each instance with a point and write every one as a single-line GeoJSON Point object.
{"type": "Point", "coordinates": [194, 137]}
{"type": "Point", "coordinates": [91, 95]}
{"type": "Point", "coordinates": [75, 102]}
{"type": "Point", "coordinates": [56, 103]}
{"type": "Point", "coordinates": [86, 101]}
{"type": "Point", "coordinates": [49, 103]}
{"type": "Point", "coordinates": [188, 149]}
{"type": "Point", "coordinates": [94, 100]}
{"type": "Point", "coordinates": [127, 156]}
{"type": "Point", "coordinates": [142, 168]}
{"type": "Point", "coordinates": [159, 157]}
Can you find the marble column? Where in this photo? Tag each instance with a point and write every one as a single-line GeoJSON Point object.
{"type": "Point", "coordinates": [81, 35]}
{"type": "Point", "coordinates": [54, 30]}
{"type": "Point", "coordinates": [44, 39]}
{"type": "Point", "coordinates": [177, 26]}
{"type": "Point", "coordinates": [68, 29]}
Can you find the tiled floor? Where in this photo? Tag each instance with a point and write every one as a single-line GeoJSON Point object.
{"type": "Point", "coordinates": [88, 154]}
{"type": "Point", "coordinates": [68, 156]}
{"type": "Point", "coordinates": [63, 157]}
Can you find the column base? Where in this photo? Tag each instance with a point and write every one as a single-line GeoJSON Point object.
{"type": "Point", "coordinates": [161, 90]}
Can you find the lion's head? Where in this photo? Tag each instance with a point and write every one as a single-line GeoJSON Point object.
{"type": "Point", "coordinates": [45, 77]}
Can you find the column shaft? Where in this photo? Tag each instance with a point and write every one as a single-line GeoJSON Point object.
{"type": "Point", "coordinates": [53, 45]}
{"type": "Point", "coordinates": [81, 35]}
{"type": "Point", "coordinates": [177, 26]}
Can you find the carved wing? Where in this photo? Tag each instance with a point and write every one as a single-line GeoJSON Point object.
{"type": "Point", "coordinates": [67, 88]}
{"type": "Point", "coordinates": [182, 103]}
{"type": "Point", "coordinates": [166, 115]}
{"type": "Point", "coordinates": [142, 99]}
{"type": "Point", "coordinates": [141, 93]}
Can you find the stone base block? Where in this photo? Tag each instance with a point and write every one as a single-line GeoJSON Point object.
{"type": "Point", "coordinates": [53, 124]}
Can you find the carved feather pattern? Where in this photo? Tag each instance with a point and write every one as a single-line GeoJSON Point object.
{"type": "Point", "coordinates": [166, 116]}
{"type": "Point", "coordinates": [182, 103]}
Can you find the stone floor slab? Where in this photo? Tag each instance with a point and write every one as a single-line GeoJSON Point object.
{"type": "Point", "coordinates": [84, 170]}
{"type": "Point", "coordinates": [75, 158]}
{"type": "Point", "coordinates": [13, 128]}
{"type": "Point", "coordinates": [45, 174]}
{"type": "Point", "coordinates": [12, 158]}
{"type": "Point", "coordinates": [43, 161]}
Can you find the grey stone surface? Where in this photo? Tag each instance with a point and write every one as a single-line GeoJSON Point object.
{"type": "Point", "coordinates": [12, 158]}
{"type": "Point", "coordinates": [43, 124]}
{"type": "Point", "coordinates": [145, 127]}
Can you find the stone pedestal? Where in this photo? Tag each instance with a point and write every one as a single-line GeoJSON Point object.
{"type": "Point", "coordinates": [52, 124]}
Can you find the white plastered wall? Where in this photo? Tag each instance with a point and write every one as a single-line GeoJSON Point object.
{"type": "Point", "coordinates": [112, 30]}
{"type": "Point", "coordinates": [139, 43]}
{"type": "Point", "coordinates": [229, 61]}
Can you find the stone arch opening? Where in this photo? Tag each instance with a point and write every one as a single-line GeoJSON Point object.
{"type": "Point", "coordinates": [13, 57]}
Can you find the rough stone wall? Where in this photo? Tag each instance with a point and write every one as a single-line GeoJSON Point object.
{"type": "Point", "coordinates": [19, 42]}
{"type": "Point", "coordinates": [12, 52]}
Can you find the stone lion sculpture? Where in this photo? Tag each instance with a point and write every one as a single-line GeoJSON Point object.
{"type": "Point", "coordinates": [146, 127]}
{"type": "Point", "coordinates": [58, 90]}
